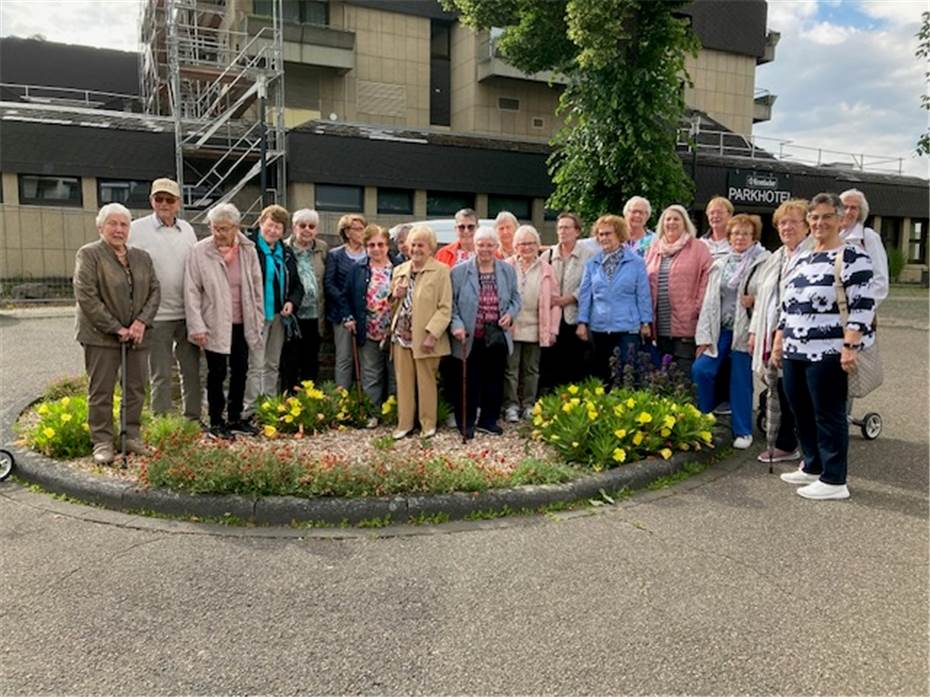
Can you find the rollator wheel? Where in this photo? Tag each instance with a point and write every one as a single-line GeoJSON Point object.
{"type": "Point", "coordinates": [6, 464]}
{"type": "Point", "coordinates": [871, 426]}
{"type": "Point", "coordinates": [761, 422]}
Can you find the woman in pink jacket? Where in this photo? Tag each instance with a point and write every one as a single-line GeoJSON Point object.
{"type": "Point", "coordinates": [535, 327]}
{"type": "Point", "coordinates": [677, 264]}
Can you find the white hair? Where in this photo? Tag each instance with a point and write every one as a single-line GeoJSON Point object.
{"type": "Point", "coordinates": [224, 211]}
{"type": "Point", "coordinates": [506, 216]}
{"type": "Point", "coordinates": [633, 201]}
{"type": "Point", "coordinates": [306, 215]}
{"type": "Point", "coordinates": [863, 203]}
{"type": "Point", "coordinates": [680, 210]}
{"type": "Point", "coordinates": [112, 209]}
{"type": "Point", "coordinates": [487, 233]}
{"type": "Point", "coordinates": [526, 231]}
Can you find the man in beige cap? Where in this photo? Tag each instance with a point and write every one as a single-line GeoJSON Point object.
{"type": "Point", "coordinates": [168, 240]}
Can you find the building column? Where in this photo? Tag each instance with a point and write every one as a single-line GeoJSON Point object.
{"type": "Point", "coordinates": [906, 239]}
{"type": "Point", "coordinates": [10, 188]}
{"type": "Point", "coordinates": [89, 193]}
{"type": "Point", "coordinates": [370, 202]}
{"type": "Point", "coordinates": [419, 204]}
{"type": "Point", "coordinates": [481, 205]}
{"type": "Point", "coordinates": [300, 195]}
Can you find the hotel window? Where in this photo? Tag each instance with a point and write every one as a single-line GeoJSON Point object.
{"type": "Point", "coordinates": [520, 206]}
{"type": "Point", "coordinates": [297, 11]}
{"type": "Point", "coordinates": [917, 248]}
{"type": "Point", "coordinates": [334, 197]}
{"type": "Point", "coordinates": [446, 203]}
{"type": "Point", "coordinates": [41, 190]}
{"type": "Point", "coordinates": [129, 192]}
{"type": "Point", "coordinates": [395, 201]}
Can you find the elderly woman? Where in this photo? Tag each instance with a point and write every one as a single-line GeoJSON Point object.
{"type": "Point", "coordinates": [224, 307]}
{"type": "Point", "coordinates": [400, 251]}
{"type": "Point", "coordinates": [614, 301]}
{"type": "Point", "coordinates": [506, 224]}
{"type": "Point", "coordinates": [855, 232]}
{"type": "Point", "coordinates": [300, 359]}
{"type": "Point", "coordinates": [719, 211]}
{"type": "Point", "coordinates": [535, 327]}
{"type": "Point", "coordinates": [637, 212]}
{"type": "Point", "coordinates": [339, 264]}
{"type": "Point", "coordinates": [463, 249]}
{"type": "Point", "coordinates": [485, 300]}
{"type": "Point", "coordinates": [282, 292]}
{"type": "Point", "coordinates": [677, 264]}
{"type": "Point", "coordinates": [817, 348]}
{"type": "Point", "coordinates": [790, 220]}
{"type": "Point", "coordinates": [368, 292]}
{"type": "Point", "coordinates": [723, 327]}
{"type": "Point", "coordinates": [422, 295]}
{"type": "Point", "coordinates": [117, 296]}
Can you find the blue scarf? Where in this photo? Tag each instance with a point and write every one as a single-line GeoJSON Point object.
{"type": "Point", "coordinates": [274, 270]}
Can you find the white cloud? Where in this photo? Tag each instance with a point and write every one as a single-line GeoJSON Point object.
{"type": "Point", "coordinates": [854, 89]}
{"type": "Point", "coordinates": [105, 23]}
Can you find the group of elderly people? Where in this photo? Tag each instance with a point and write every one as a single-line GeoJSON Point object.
{"type": "Point", "coordinates": [489, 319]}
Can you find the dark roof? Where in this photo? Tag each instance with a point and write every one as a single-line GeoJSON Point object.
{"type": "Point", "coordinates": [421, 8]}
{"type": "Point", "coordinates": [36, 62]}
{"type": "Point", "coordinates": [69, 150]}
{"type": "Point", "coordinates": [730, 25]}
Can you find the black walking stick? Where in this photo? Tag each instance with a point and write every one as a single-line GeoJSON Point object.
{"type": "Point", "coordinates": [358, 368]}
{"type": "Point", "coordinates": [123, 382]}
{"type": "Point", "coordinates": [464, 393]}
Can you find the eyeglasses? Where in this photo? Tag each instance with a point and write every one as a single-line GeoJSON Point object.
{"type": "Point", "coordinates": [469, 226]}
{"type": "Point", "coordinates": [815, 218]}
{"type": "Point", "coordinates": [310, 226]}
{"type": "Point", "coordinates": [525, 243]}
{"type": "Point", "coordinates": [741, 233]}
{"type": "Point", "coordinates": [164, 198]}
{"type": "Point", "coordinates": [376, 244]}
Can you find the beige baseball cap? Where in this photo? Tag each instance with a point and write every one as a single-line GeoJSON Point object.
{"type": "Point", "coordinates": [166, 186]}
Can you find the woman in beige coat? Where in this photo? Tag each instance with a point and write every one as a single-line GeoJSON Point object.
{"type": "Point", "coordinates": [421, 290]}
{"type": "Point", "coordinates": [535, 327]}
{"type": "Point", "coordinates": [117, 296]}
{"type": "Point", "coordinates": [224, 308]}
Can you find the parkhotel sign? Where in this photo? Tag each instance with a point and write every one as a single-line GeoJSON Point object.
{"type": "Point", "coordinates": [758, 188]}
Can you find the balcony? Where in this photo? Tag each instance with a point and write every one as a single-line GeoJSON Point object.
{"type": "Point", "coordinates": [491, 65]}
{"type": "Point", "coordinates": [762, 106]}
{"type": "Point", "coordinates": [771, 41]}
{"type": "Point", "coordinates": [313, 44]}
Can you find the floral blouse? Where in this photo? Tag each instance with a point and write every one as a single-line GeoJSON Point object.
{"type": "Point", "coordinates": [378, 304]}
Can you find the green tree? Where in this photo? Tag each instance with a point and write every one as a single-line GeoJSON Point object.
{"type": "Point", "coordinates": [625, 64]}
{"type": "Point", "coordinates": [923, 52]}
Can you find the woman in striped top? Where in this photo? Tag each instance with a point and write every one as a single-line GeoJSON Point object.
{"type": "Point", "coordinates": [817, 351]}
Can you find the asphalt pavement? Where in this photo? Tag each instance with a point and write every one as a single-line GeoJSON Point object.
{"type": "Point", "coordinates": [726, 584]}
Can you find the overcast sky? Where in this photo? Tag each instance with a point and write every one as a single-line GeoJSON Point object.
{"type": "Point", "coordinates": [844, 72]}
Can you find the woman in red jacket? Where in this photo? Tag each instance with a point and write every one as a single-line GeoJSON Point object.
{"type": "Point", "coordinates": [677, 264]}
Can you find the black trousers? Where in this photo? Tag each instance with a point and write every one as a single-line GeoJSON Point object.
{"type": "Point", "coordinates": [300, 358]}
{"type": "Point", "coordinates": [238, 364]}
{"type": "Point", "coordinates": [569, 360]}
{"type": "Point", "coordinates": [484, 385]}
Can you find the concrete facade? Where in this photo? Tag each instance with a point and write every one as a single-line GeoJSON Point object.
{"type": "Point", "coordinates": [723, 88]}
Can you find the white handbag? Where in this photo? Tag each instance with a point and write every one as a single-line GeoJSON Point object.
{"type": "Point", "coordinates": [868, 373]}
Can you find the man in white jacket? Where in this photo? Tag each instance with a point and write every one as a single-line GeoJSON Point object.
{"type": "Point", "coordinates": [855, 232]}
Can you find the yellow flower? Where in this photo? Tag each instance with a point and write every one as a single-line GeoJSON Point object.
{"type": "Point", "coordinates": [266, 405]}
{"type": "Point", "coordinates": [599, 391]}
{"type": "Point", "coordinates": [666, 453]}
{"type": "Point", "coordinates": [574, 401]}
{"type": "Point", "coordinates": [665, 433]}
{"type": "Point", "coordinates": [43, 409]}
{"type": "Point", "coordinates": [288, 419]}
{"type": "Point", "coordinates": [574, 444]}
{"type": "Point", "coordinates": [592, 414]}
{"type": "Point", "coordinates": [554, 436]}
{"type": "Point", "coordinates": [711, 418]}
{"type": "Point", "coordinates": [65, 401]}
{"type": "Point", "coordinates": [341, 427]}
{"type": "Point", "coordinates": [630, 403]}
{"type": "Point", "coordinates": [619, 455]}
{"type": "Point", "coordinates": [270, 431]}
{"type": "Point", "coordinates": [48, 431]}
{"type": "Point", "coordinates": [537, 409]}
{"type": "Point", "coordinates": [620, 433]}
{"type": "Point", "coordinates": [573, 389]}
{"type": "Point", "coordinates": [644, 417]}
{"type": "Point", "coordinates": [385, 408]}
{"type": "Point", "coordinates": [537, 420]}
{"type": "Point", "coordinates": [618, 410]}
{"type": "Point", "coordinates": [282, 408]}
{"type": "Point", "coordinates": [685, 446]}
{"type": "Point", "coordinates": [567, 407]}
{"type": "Point", "coordinates": [638, 438]}
{"type": "Point", "coordinates": [669, 421]}
{"type": "Point", "coordinates": [295, 411]}
{"type": "Point", "coordinates": [706, 436]}
{"type": "Point", "coordinates": [341, 415]}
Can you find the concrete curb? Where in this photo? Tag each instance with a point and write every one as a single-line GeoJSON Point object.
{"type": "Point", "coordinates": [58, 478]}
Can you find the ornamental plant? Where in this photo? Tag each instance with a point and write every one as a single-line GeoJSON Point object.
{"type": "Point", "coordinates": [588, 425]}
{"type": "Point", "coordinates": [312, 409]}
{"type": "Point", "coordinates": [61, 430]}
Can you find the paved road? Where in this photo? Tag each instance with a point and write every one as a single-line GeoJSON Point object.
{"type": "Point", "coordinates": [729, 583]}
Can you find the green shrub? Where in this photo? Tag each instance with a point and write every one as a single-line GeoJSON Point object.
{"type": "Point", "coordinates": [61, 430]}
{"type": "Point", "coordinates": [895, 263]}
{"type": "Point", "coordinates": [586, 424]}
{"type": "Point", "coordinates": [172, 431]}
{"type": "Point", "coordinates": [70, 386]}
{"type": "Point", "coordinates": [312, 409]}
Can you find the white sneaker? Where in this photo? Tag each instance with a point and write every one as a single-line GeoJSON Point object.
{"type": "Point", "coordinates": [742, 442]}
{"type": "Point", "coordinates": [528, 414]}
{"type": "Point", "coordinates": [799, 477]}
{"type": "Point", "coordinates": [822, 491]}
{"type": "Point", "coordinates": [512, 415]}
{"type": "Point", "coordinates": [450, 421]}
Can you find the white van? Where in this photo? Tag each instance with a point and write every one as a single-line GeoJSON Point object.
{"type": "Point", "coordinates": [443, 227]}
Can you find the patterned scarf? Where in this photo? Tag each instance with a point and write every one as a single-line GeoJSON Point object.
{"type": "Point", "coordinates": [670, 249]}
{"type": "Point", "coordinates": [738, 264]}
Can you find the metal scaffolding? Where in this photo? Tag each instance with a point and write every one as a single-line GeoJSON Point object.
{"type": "Point", "coordinates": [219, 73]}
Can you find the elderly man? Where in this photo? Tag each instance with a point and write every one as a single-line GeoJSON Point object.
{"type": "Point", "coordinates": [855, 232]}
{"type": "Point", "coordinates": [463, 249]}
{"type": "Point", "coordinates": [168, 240]}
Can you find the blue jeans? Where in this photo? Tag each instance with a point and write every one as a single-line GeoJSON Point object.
{"type": "Point", "coordinates": [816, 392]}
{"type": "Point", "coordinates": [704, 374]}
{"type": "Point", "coordinates": [626, 343]}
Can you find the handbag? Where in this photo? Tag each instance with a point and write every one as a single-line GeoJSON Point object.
{"type": "Point", "coordinates": [868, 373]}
{"type": "Point", "coordinates": [291, 328]}
{"type": "Point", "coordinates": [494, 336]}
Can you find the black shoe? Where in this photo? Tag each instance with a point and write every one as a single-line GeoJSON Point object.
{"type": "Point", "coordinates": [244, 427]}
{"type": "Point", "coordinates": [491, 430]}
{"type": "Point", "coordinates": [220, 432]}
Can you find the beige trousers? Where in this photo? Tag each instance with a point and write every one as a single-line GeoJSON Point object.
{"type": "Point", "coordinates": [103, 365]}
{"type": "Point", "coordinates": [416, 385]}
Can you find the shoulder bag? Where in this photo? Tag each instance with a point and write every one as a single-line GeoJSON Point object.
{"type": "Point", "coordinates": [868, 374]}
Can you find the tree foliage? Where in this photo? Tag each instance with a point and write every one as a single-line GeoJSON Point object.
{"type": "Point", "coordinates": [923, 52]}
{"type": "Point", "coordinates": [624, 60]}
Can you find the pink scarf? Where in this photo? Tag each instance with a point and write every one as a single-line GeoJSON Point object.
{"type": "Point", "coordinates": [667, 249]}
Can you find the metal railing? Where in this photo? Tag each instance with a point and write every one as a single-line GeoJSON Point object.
{"type": "Point", "coordinates": [69, 96]}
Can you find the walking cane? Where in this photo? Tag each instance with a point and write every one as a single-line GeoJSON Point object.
{"type": "Point", "coordinates": [123, 382]}
{"type": "Point", "coordinates": [464, 394]}
{"type": "Point", "coordinates": [358, 368]}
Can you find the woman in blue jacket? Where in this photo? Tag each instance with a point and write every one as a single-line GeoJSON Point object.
{"type": "Point", "coordinates": [614, 301]}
